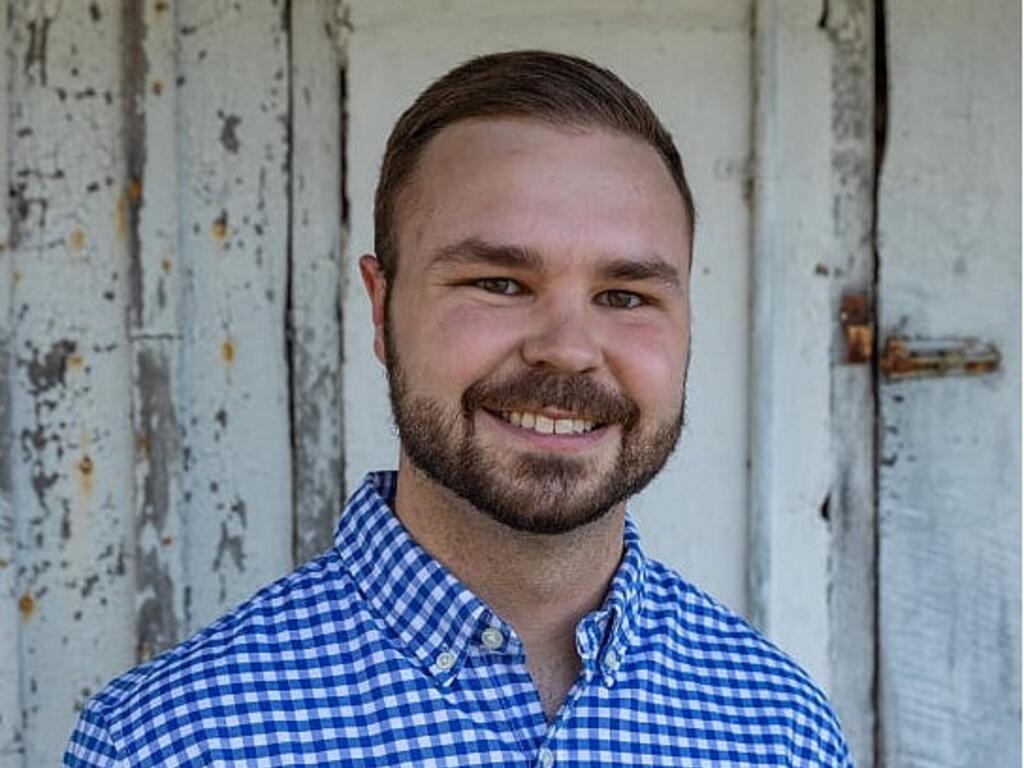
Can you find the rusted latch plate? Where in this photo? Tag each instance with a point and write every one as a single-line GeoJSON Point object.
{"type": "Point", "coordinates": [906, 358]}
{"type": "Point", "coordinates": [855, 315]}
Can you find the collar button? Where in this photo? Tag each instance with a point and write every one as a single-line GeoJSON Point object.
{"type": "Point", "coordinates": [445, 661]}
{"type": "Point", "coordinates": [492, 638]}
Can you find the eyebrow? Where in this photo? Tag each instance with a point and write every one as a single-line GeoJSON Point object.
{"type": "Point", "coordinates": [475, 251]}
{"type": "Point", "coordinates": [653, 268]}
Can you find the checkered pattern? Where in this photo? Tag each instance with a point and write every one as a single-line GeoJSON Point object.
{"type": "Point", "coordinates": [374, 654]}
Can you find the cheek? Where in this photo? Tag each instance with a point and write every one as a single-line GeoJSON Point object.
{"type": "Point", "coordinates": [449, 349]}
{"type": "Point", "coordinates": [649, 363]}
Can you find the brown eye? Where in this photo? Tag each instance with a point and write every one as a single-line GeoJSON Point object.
{"type": "Point", "coordinates": [620, 299]}
{"type": "Point", "coordinates": [503, 286]}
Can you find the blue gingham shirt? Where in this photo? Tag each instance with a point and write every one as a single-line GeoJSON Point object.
{"type": "Point", "coordinates": [374, 654]}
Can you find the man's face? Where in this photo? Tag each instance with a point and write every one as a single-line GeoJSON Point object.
{"type": "Point", "coordinates": [536, 334]}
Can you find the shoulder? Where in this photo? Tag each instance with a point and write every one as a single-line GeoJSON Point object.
{"type": "Point", "coordinates": [287, 626]}
{"type": "Point", "coordinates": [718, 656]}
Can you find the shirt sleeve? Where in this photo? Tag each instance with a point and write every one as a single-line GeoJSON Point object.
{"type": "Point", "coordinates": [91, 745]}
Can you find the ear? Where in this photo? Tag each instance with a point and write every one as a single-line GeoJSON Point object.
{"type": "Point", "coordinates": [376, 288]}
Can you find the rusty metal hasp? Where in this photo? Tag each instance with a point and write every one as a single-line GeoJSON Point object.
{"type": "Point", "coordinates": [908, 358]}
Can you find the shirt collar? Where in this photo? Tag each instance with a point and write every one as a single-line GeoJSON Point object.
{"type": "Point", "coordinates": [437, 618]}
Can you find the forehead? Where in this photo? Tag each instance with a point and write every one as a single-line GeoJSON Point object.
{"type": "Point", "coordinates": [554, 189]}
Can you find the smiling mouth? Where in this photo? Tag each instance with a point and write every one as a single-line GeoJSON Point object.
{"type": "Point", "coordinates": [545, 424]}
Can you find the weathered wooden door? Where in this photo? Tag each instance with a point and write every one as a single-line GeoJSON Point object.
{"type": "Point", "coordinates": [171, 325]}
{"type": "Point", "coordinates": [949, 267]}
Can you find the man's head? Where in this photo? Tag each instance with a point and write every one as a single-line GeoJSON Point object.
{"type": "Point", "coordinates": [540, 85]}
{"type": "Point", "coordinates": [536, 334]}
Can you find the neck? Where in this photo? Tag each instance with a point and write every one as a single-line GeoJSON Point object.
{"type": "Point", "coordinates": [541, 584]}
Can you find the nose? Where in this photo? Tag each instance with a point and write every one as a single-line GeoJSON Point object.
{"type": "Point", "coordinates": [564, 341]}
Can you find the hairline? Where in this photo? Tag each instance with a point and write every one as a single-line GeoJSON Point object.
{"type": "Point", "coordinates": [573, 123]}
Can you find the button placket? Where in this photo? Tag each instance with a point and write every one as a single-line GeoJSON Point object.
{"type": "Point", "coordinates": [545, 758]}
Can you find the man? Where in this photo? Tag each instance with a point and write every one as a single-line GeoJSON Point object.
{"type": "Point", "coordinates": [489, 603]}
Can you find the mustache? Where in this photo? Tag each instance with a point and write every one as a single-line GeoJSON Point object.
{"type": "Point", "coordinates": [534, 388]}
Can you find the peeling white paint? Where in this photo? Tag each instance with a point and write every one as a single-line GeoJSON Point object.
{"type": "Point", "coordinates": [949, 491]}
{"type": "Point", "coordinates": [70, 395]}
{"type": "Point", "coordinates": [317, 228]}
{"type": "Point", "coordinates": [11, 725]}
{"type": "Point", "coordinates": [157, 332]}
{"type": "Point", "coordinates": [233, 162]}
{"type": "Point", "coordinates": [852, 634]}
{"type": "Point", "coordinates": [166, 449]}
{"type": "Point", "coordinates": [791, 332]}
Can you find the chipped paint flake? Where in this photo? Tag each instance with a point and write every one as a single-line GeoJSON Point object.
{"type": "Point", "coordinates": [227, 351]}
{"type": "Point", "coordinates": [26, 606]}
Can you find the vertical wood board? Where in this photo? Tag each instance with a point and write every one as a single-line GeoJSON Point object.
{"type": "Point", "coordinates": [950, 526]}
{"type": "Point", "coordinates": [156, 328]}
{"type": "Point", "coordinates": [71, 483]}
{"type": "Point", "coordinates": [234, 160]}
{"type": "Point", "coordinates": [316, 232]}
{"type": "Point", "coordinates": [11, 726]}
{"type": "Point", "coordinates": [851, 503]}
{"type": "Point", "coordinates": [791, 332]}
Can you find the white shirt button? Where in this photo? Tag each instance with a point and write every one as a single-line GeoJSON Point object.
{"type": "Point", "coordinates": [492, 638]}
{"type": "Point", "coordinates": [546, 757]}
{"type": "Point", "coordinates": [445, 660]}
{"type": "Point", "coordinates": [612, 661]}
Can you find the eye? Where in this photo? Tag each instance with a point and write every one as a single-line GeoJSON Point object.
{"type": "Point", "coordinates": [504, 286]}
{"type": "Point", "coordinates": [621, 299]}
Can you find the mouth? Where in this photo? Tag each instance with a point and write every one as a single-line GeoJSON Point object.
{"type": "Point", "coordinates": [547, 421]}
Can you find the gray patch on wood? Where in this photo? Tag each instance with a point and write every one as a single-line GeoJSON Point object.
{"type": "Point", "coordinates": [48, 371]}
{"type": "Point", "coordinates": [157, 626]}
{"type": "Point", "coordinates": [229, 132]}
{"type": "Point", "coordinates": [5, 425]}
{"type": "Point", "coordinates": [35, 56]}
{"type": "Point", "coordinates": [46, 375]}
{"type": "Point", "coordinates": [135, 76]}
{"type": "Point", "coordinates": [321, 494]}
{"type": "Point", "coordinates": [158, 417]}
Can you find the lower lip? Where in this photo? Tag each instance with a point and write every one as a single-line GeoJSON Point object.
{"type": "Point", "coordinates": [571, 443]}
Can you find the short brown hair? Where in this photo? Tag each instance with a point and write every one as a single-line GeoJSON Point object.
{"type": "Point", "coordinates": [552, 87]}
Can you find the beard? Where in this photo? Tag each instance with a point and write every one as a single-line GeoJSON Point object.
{"type": "Point", "coordinates": [545, 494]}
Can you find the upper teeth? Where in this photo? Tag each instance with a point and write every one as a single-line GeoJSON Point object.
{"type": "Point", "coordinates": [546, 425]}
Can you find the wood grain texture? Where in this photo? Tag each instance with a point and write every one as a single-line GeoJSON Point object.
{"type": "Point", "coordinates": [317, 229]}
{"type": "Point", "coordinates": [850, 506]}
{"type": "Point", "coordinates": [790, 333]}
{"type": "Point", "coordinates": [157, 334]}
{"type": "Point", "coordinates": [72, 467]}
{"type": "Point", "coordinates": [233, 159]}
{"type": "Point", "coordinates": [11, 724]}
{"type": "Point", "coordinates": [949, 506]}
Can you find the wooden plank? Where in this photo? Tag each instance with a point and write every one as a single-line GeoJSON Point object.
{"type": "Point", "coordinates": [949, 488]}
{"type": "Point", "coordinates": [11, 722]}
{"type": "Point", "coordinates": [233, 160]}
{"type": "Point", "coordinates": [791, 332]}
{"type": "Point", "coordinates": [156, 330]}
{"type": "Point", "coordinates": [69, 391]}
{"type": "Point", "coordinates": [851, 503]}
{"type": "Point", "coordinates": [317, 221]}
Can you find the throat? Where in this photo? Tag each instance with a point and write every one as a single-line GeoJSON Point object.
{"type": "Point", "coordinates": [554, 677]}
